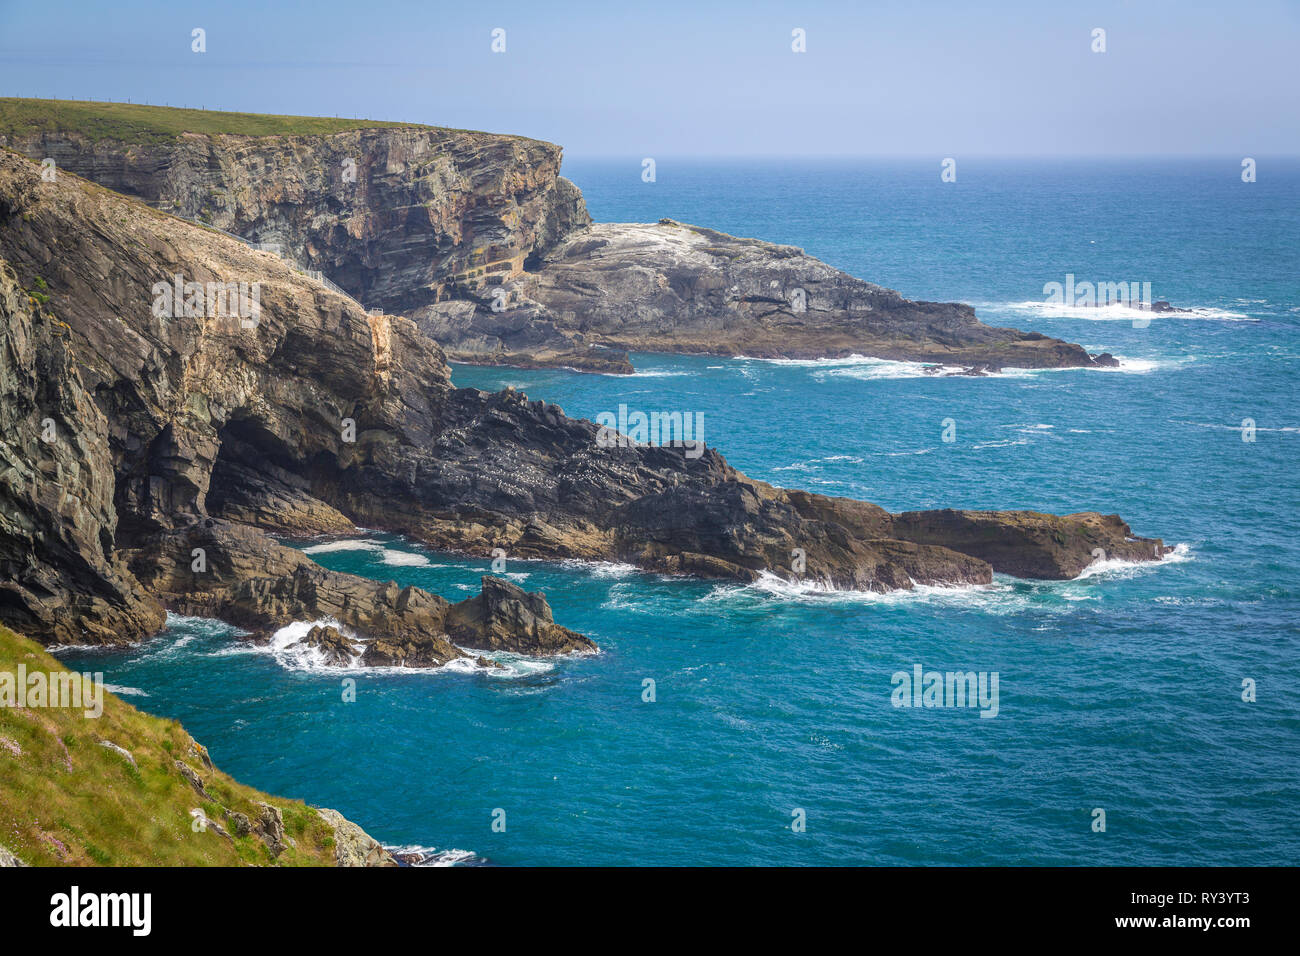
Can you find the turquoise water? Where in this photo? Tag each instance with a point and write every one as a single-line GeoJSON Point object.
{"type": "Point", "coordinates": [1121, 690]}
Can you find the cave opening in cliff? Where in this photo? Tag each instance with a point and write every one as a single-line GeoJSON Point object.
{"type": "Point", "coordinates": [260, 479]}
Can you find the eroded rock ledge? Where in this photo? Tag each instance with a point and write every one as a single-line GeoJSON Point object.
{"type": "Point", "coordinates": [183, 431]}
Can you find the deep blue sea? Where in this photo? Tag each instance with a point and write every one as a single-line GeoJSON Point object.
{"type": "Point", "coordinates": [1120, 691]}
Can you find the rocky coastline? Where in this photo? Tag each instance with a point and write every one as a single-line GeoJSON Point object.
{"type": "Point", "coordinates": [150, 457]}
{"type": "Point", "coordinates": [480, 240]}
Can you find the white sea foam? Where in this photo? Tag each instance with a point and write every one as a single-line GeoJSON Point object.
{"type": "Point", "coordinates": [1116, 567]}
{"type": "Point", "coordinates": [234, 650]}
{"type": "Point", "coordinates": [125, 691]}
{"type": "Point", "coordinates": [860, 368]}
{"type": "Point", "coordinates": [770, 586]}
{"type": "Point", "coordinates": [404, 559]}
{"type": "Point", "coordinates": [287, 647]}
{"type": "Point", "coordinates": [1115, 312]}
{"type": "Point", "coordinates": [1135, 366]}
{"type": "Point", "coordinates": [1006, 595]}
{"type": "Point", "coordinates": [204, 625]}
{"type": "Point", "coordinates": [170, 643]}
{"type": "Point", "coordinates": [392, 557]}
{"type": "Point", "coordinates": [811, 463]}
{"type": "Point", "coordinates": [1233, 428]}
{"type": "Point", "coordinates": [600, 569]}
{"type": "Point", "coordinates": [431, 856]}
{"type": "Point", "coordinates": [349, 544]}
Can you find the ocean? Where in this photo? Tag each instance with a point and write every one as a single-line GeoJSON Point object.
{"type": "Point", "coordinates": [769, 732]}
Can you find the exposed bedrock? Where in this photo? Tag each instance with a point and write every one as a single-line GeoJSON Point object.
{"type": "Point", "coordinates": [1029, 544]}
{"type": "Point", "coordinates": [59, 575]}
{"type": "Point", "coordinates": [397, 216]}
{"type": "Point", "coordinates": [672, 287]}
{"type": "Point", "coordinates": [318, 417]}
{"type": "Point", "coordinates": [478, 238]}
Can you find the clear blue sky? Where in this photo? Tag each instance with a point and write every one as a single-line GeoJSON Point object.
{"type": "Point", "coordinates": [660, 78]}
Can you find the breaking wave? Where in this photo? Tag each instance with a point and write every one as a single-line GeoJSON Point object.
{"type": "Point", "coordinates": [1117, 567]}
{"type": "Point", "coordinates": [1116, 312]}
{"type": "Point", "coordinates": [431, 856]}
{"type": "Point", "coordinates": [863, 368]}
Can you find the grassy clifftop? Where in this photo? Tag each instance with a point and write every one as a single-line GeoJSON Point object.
{"type": "Point", "coordinates": [67, 799]}
{"type": "Point", "coordinates": [145, 125]}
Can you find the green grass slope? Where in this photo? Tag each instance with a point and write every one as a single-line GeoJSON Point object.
{"type": "Point", "coordinates": [66, 799]}
{"type": "Point", "coordinates": [146, 125]}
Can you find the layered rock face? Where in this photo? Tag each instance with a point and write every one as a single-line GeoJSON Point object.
{"type": "Point", "coordinates": [59, 574]}
{"type": "Point", "coordinates": [399, 217]}
{"type": "Point", "coordinates": [479, 239]}
{"type": "Point", "coordinates": [314, 415]}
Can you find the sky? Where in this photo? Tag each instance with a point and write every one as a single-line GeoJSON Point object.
{"type": "Point", "coordinates": [669, 78]}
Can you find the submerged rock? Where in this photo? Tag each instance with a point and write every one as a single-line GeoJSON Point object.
{"type": "Point", "coordinates": [337, 649]}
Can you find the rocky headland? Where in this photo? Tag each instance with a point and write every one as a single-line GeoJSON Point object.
{"type": "Point", "coordinates": [151, 444]}
{"type": "Point", "coordinates": [673, 287]}
{"type": "Point", "coordinates": [480, 240]}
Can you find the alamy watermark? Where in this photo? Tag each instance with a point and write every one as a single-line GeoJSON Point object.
{"type": "Point", "coordinates": [1089, 295]}
{"type": "Point", "coordinates": [64, 689]}
{"type": "Point", "coordinates": [670, 429]}
{"type": "Point", "coordinates": [241, 300]}
{"type": "Point", "coordinates": [922, 688]}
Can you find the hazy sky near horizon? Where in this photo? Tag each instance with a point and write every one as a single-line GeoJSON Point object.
{"type": "Point", "coordinates": [671, 78]}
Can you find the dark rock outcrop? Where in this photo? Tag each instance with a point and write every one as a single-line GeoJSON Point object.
{"type": "Point", "coordinates": [97, 495]}
{"type": "Point", "coordinates": [503, 616]}
{"type": "Point", "coordinates": [255, 583]}
{"type": "Point", "coordinates": [337, 650]}
{"type": "Point", "coordinates": [1029, 544]}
